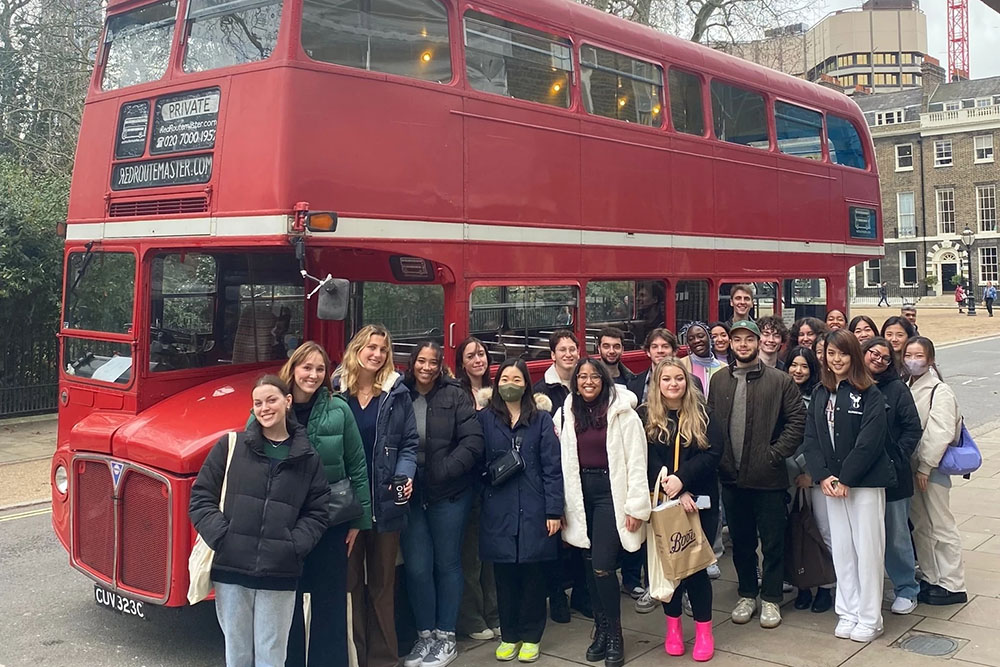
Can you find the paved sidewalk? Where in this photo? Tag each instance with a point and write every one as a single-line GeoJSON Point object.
{"type": "Point", "coordinates": [27, 439]}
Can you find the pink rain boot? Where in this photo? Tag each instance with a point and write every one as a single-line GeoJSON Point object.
{"type": "Point", "coordinates": [674, 644]}
{"type": "Point", "coordinates": [704, 642]}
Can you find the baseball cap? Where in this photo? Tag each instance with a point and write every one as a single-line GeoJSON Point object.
{"type": "Point", "coordinates": [749, 325]}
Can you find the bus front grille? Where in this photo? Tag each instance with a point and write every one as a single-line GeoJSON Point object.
{"type": "Point", "coordinates": [145, 534]}
{"type": "Point", "coordinates": [94, 520]}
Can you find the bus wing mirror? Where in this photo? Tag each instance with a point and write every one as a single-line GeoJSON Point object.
{"type": "Point", "coordinates": [333, 299]}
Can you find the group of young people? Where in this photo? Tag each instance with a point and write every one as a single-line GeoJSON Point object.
{"type": "Point", "coordinates": [482, 484]}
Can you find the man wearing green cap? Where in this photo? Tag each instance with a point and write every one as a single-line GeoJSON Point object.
{"type": "Point", "coordinates": [758, 414]}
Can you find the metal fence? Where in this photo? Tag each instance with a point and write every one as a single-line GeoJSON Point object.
{"type": "Point", "coordinates": [29, 373]}
{"type": "Point", "coordinates": [897, 296]}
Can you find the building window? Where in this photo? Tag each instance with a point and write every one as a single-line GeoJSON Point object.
{"type": "Point", "coordinates": [942, 153]}
{"type": "Point", "coordinates": [907, 58]}
{"type": "Point", "coordinates": [739, 115]}
{"type": "Point", "coordinates": [686, 108]}
{"type": "Point", "coordinates": [904, 157]}
{"type": "Point", "coordinates": [513, 60]}
{"type": "Point", "coordinates": [892, 79]}
{"type": "Point", "coordinates": [907, 79]}
{"type": "Point", "coordinates": [619, 87]}
{"type": "Point", "coordinates": [845, 61]}
{"type": "Point", "coordinates": [410, 40]}
{"type": "Point", "coordinates": [879, 58]}
{"type": "Point", "coordinates": [890, 59]}
{"type": "Point", "coordinates": [986, 207]}
{"type": "Point", "coordinates": [905, 218]}
{"type": "Point", "coordinates": [862, 58]}
{"type": "Point", "coordinates": [953, 105]}
{"type": "Point", "coordinates": [908, 268]}
{"type": "Point", "coordinates": [983, 102]}
{"type": "Point", "coordinates": [880, 81]}
{"type": "Point", "coordinates": [799, 130]}
{"type": "Point", "coordinates": [863, 80]}
{"type": "Point", "coordinates": [987, 265]}
{"type": "Point", "coordinates": [945, 210]}
{"type": "Point", "coordinates": [844, 142]}
{"type": "Point", "coordinates": [873, 273]}
{"type": "Point", "coordinates": [893, 117]}
{"type": "Point", "coordinates": [983, 148]}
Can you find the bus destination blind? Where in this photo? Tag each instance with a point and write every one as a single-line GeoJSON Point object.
{"type": "Point", "coordinates": [182, 170]}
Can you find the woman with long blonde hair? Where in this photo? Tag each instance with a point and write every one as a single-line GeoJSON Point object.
{"type": "Point", "coordinates": [382, 408]}
{"type": "Point", "coordinates": [677, 440]}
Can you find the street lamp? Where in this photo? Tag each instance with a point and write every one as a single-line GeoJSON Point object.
{"type": "Point", "coordinates": [968, 238]}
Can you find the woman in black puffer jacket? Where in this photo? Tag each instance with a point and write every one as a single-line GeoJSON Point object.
{"type": "Point", "coordinates": [275, 513]}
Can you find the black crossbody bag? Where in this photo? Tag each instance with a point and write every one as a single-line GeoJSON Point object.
{"type": "Point", "coordinates": [508, 465]}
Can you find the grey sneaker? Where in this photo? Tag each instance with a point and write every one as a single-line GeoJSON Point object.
{"type": "Point", "coordinates": [744, 611]}
{"type": "Point", "coordinates": [770, 615]}
{"type": "Point", "coordinates": [443, 651]}
{"type": "Point", "coordinates": [425, 640]}
{"type": "Point", "coordinates": [645, 603]}
{"type": "Point", "coordinates": [713, 571]}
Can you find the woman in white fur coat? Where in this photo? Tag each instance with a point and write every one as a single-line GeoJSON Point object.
{"type": "Point", "coordinates": [603, 450]}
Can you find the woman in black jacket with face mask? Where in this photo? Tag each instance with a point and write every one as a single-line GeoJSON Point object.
{"type": "Point", "coordinates": [904, 433]}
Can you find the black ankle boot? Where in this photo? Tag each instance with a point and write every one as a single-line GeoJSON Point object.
{"type": "Point", "coordinates": [615, 654]}
{"type": "Point", "coordinates": [598, 648]}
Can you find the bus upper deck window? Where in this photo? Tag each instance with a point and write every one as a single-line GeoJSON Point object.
{"type": "Point", "coordinates": [739, 115]}
{"type": "Point", "coordinates": [516, 61]}
{"type": "Point", "coordinates": [686, 107]}
{"type": "Point", "coordinates": [230, 32]}
{"type": "Point", "coordinates": [799, 130]}
{"type": "Point", "coordinates": [137, 45]}
{"type": "Point", "coordinates": [404, 37]}
{"type": "Point", "coordinates": [845, 142]}
{"type": "Point", "coordinates": [620, 87]}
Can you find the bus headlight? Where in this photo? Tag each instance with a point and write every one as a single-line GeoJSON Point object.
{"type": "Point", "coordinates": [61, 479]}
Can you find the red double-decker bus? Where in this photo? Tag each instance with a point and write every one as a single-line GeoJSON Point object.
{"type": "Point", "coordinates": [500, 168]}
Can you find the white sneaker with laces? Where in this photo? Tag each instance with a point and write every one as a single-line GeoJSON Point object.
{"type": "Point", "coordinates": [645, 603]}
{"type": "Point", "coordinates": [637, 592]}
{"type": "Point", "coordinates": [744, 610]}
{"type": "Point", "coordinates": [864, 633]}
{"type": "Point", "coordinates": [425, 640]}
{"type": "Point", "coordinates": [903, 606]}
{"type": "Point", "coordinates": [845, 627]}
{"type": "Point", "coordinates": [482, 635]}
{"type": "Point", "coordinates": [443, 652]}
{"type": "Point", "coordinates": [713, 571]}
{"type": "Point", "coordinates": [770, 615]}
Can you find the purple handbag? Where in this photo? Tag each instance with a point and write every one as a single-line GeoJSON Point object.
{"type": "Point", "coordinates": [962, 457]}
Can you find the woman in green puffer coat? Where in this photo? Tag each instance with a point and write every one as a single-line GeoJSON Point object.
{"type": "Point", "coordinates": [334, 434]}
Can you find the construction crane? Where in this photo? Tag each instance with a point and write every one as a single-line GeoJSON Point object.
{"type": "Point", "coordinates": [958, 39]}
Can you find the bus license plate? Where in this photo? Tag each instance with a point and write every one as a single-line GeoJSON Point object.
{"type": "Point", "coordinates": [119, 603]}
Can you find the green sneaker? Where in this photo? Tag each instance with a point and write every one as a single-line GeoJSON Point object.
{"type": "Point", "coordinates": [507, 651]}
{"type": "Point", "coordinates": [528, 652]}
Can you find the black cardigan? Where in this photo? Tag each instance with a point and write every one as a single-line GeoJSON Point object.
{"type": "Point", "coordinates": [858, 458]}
{"type": "Point", "coordinates": [698, 468]}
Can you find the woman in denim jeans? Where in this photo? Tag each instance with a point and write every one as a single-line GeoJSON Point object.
{"type": "Point", "coordinates": [451, 448]}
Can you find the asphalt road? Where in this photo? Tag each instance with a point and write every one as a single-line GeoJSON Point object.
{"type": "Point", "coordinates": [973, 371]}
{"type": "Point", "coordinates": [49, 616]}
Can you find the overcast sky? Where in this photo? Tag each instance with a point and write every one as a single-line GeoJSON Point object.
{"type": "Point", "coordinates": [984, 34]}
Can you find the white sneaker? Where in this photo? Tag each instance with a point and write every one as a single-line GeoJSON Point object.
{"type": "Point", "coordinates": [786, 587]}
{"type": "Point", "coordinates": [443, 652]}
{"type": "Point", "coordinates": [903, 606]}
{"type": "Point", "coordinates": [744, 611]}
{"type": "Point", "coordinates": [864, 633]}
{"type": "Point", "coordinates": [482, 635]}
{"type": "Point", "coordinates": [713, 571]}
{"type": "Point", "coordinates": [645, 603]}
{"type": "Point", "coordinates": [425, 640]}
{"type": "Point", "coordinates": [637, 592]}
{"type": "Point", "coordinates": [845, 627]}
{"type": "Point", "coordinates": [770, 615]}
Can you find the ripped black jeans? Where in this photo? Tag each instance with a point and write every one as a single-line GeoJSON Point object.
{"type": "Point", "coordinates": [605, 545]}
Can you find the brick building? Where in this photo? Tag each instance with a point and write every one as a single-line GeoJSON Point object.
{"type": "Point", "coordinates": [935, 147]}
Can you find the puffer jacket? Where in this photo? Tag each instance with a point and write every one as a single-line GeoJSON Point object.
{"type": "Point", "coordinates": [626, 445]}
{"type": "Point", "coordinates": [394, 452]}
{"type": "Point", "coordinates": [452, 452]}
{"type": "Point", "coordinates": [274, 513]}
{"type": "Point", "coordinates": [775, 424]}
{"type": "Point", "coordinates": [904, 430]}
{"type": "Point", "coordinates": [857, 453]}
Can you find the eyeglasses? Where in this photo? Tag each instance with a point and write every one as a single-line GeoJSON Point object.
{"type": "Point", "coordinates": [586, 378]}
{"type": "Point", "coordinates": [877, 356]}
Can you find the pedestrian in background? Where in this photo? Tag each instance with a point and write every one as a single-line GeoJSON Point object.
{"type": "Point", "coordinates": [521, 516]}
{"type": "Point", "coordinates": [383, 411]}
{"type": "Point", "coordinates": [883, 295]}
{"type": "Point", "coordinates": [333, 433]}
{"type": "Point", "coordinates": [448, 463]}
{"type": "Point", "coordinates": [603, 453]}
{"type": "Point", "coordinates": [845, 451]}
{"type": "Point", "coordinates": [935, 530]}
{"type": "Point", "coordinates": [676, 428]}
{"type": "Point", "coordinates": [258, 553]}
{"type": "Point", "coordinates": [989, 296]}
{"type": "Point", "coordinates": [903, 424]}
{"type": "Point", "coordinates": [960, 296]}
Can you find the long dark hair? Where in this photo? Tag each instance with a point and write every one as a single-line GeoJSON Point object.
{"type": "Point", "coordinates": [497, 404]}
{"type": "Point", "coordinates": [410, 377]}
{"type": "Point", "coordinates": [857, 375]}
{"type": "Point", "coordinates": [900, 321]}
{"type": "Point", "coordinates": [460, 373]}
{"type": "Point", "coordinates": [806, 388]}
{"type": "Point", "coordinates": [878, 340]}
{"type": "Point", "coordinates": [863, 318]}
{"type": "Point", "coordinates": [928, 346]}
{"type": "Point", "coordinates": [594, 415]}
{"type": "Point", "coordinates": [817, 325]}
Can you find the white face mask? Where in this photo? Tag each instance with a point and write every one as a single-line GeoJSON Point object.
{"type": "Point", "coordinates": [915, 367]}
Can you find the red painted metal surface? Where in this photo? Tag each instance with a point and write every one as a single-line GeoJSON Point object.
{"type": "Point", "coordinates": [958, 40]}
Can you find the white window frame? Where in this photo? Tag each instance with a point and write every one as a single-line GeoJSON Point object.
{"type": "Point", "coordinates": [911, 229]}
{"type": "Point", "coordinates": [988, 270]}
{"type": "Point", "coordinates": [984, 102]}
{"type": "Point", "coordinates": [940, 220]}
{"type": "Point", "coordinates": [986, 207]}
{"type": "Point", "coordinates": [868, 267]}
{"type": "Point", "coordinates": [893, 117]}
{"type": "Point", "coordinates": [910, 156]}
{"type": "Point", "coordinates": [982, 148]}
{"type": "Point", "coordinates": [943, 154]}
{"type": "Point", "coordinates": [952, 105]}
{"type": "Point", "coordinates": [902, 254]}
